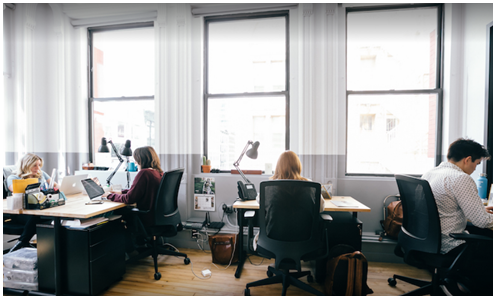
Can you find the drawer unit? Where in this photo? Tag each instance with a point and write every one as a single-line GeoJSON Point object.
{"type": "Point", "coordinates": [92, 259]}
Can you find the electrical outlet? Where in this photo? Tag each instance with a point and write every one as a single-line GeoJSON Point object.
{"type": "Point", "coordinates": [227, 209]}
{"type": "Point", "coordinates": [194, 234]}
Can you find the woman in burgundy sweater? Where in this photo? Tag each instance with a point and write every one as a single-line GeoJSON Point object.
{"type": "Point", "coordinates": [144, 189]}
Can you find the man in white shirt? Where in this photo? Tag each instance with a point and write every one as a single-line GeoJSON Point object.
{"type": "Point", "coordinates": [457, 197]}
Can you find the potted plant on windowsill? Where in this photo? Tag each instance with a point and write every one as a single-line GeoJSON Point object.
{"type": "Point", "coordinates": [206, 165]}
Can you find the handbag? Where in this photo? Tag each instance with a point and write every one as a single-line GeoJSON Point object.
{"type": "Point", "coordinates": [223, 248]}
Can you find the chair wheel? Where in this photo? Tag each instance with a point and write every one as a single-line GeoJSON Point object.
{"type": "Point", "coordinates": [269, 273]}
{"type": "Point", "coordinates": [310, 278]}
{"type": "Point", "coordinates": [157, 276]}
{"type": "Point", "coordinates": [247, 292]}
{"type": "Point", "coordinates": [392, 282]}
{"type": "Point", "coordinates": [186, 261]}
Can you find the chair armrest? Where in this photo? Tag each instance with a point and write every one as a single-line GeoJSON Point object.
{"type": "Point", "coordinates": [138, 211]}
{"type": "Point", "coordinates": [249, 214]}
{"type": "Point", "coordinates": [470, 237]}
{"type": "Point", "coordinates": [326, 217]}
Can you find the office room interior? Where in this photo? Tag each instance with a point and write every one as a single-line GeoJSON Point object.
{"type": "Point", "coordinates": [357, 99]}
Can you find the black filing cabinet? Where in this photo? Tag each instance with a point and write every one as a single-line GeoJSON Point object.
{"type": "Point", "coordinates": [343, 229]}
{"type": "Point", "coordinates": [92, 259]}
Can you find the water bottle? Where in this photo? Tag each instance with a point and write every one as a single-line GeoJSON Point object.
{"type": "Point", "coordinates": [482, 186]}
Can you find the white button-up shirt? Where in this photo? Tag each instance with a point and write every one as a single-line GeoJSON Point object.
{"type": "Point", "coordinates": [457, 201]}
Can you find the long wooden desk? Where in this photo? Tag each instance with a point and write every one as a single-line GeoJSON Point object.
{"type": "Point", "coordinates": [75, 207]}
{"type": "Point", "coordinates": [241, 206]}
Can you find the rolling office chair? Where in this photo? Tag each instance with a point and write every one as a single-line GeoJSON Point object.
{"type": "Point", "coordinates": [7, 171]}
{"type": "Point", "coordinates": [291, 230]}
{"type": "Point", "coordinates": [166, 221]}
{"type": "Point", "coordinates": [419, 241]}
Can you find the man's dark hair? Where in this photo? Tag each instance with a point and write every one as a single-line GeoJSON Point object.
{"type": "Point", "coordinates": [463, 148]}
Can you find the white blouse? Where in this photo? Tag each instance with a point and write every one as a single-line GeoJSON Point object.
{"type": "Point", "coordinates": [457, 201]}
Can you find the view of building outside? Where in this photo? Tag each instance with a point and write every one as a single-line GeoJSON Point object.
{"type": "Point", "coordinates": [246, 56]}
{"type": "Point", "coordinates": [391, 50]}
{"type": "Point", "coordinates": [123, 66]}
{"type": "Point", "coordinates": [234, 121]}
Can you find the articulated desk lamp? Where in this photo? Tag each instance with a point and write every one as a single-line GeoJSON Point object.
{"type": "Point", "coordinates": [246, 190]}
{"type": "Point", "coordinates": [126, 152]}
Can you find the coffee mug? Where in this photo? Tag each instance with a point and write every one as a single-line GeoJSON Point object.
{"type": "Point", "coordinates": [131, 166]}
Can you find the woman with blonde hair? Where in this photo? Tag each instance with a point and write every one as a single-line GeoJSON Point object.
{"type": "Point", "coordinates": [288, 168]}
{"type": "Point", "coordinates": [29, 167]}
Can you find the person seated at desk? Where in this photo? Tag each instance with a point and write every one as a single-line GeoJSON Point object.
{"type": "Point", "coordinates": [457, 201]}
{"type": "Point", "coordinates": [288, 168]}
{"type": "Point", "coordinates": [144, 189]}
{"type": "Point", "coordinates": [29, 167]}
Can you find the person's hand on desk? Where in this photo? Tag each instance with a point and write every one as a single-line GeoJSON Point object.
{"type": "Point", "coordinates": [489, 209]}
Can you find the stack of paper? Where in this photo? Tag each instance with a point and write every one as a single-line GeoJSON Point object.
{"type": "Point", "coordinates": [84, 223]}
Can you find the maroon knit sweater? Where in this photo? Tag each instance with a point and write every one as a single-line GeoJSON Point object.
{"type": "Point", "coordinates": [143, 191]}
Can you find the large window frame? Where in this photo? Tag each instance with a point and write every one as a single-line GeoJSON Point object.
{"type": "Point", "coordinates": [438, 89]}
{"type": "Point", "coordinates": [91, 98]}
{"type": "Point", "coordinates": [207, 95]}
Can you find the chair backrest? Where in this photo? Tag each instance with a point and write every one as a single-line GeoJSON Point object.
{"type": "Point", "coordinates": [166, 211]}
{"type": "Point", "coordinates": [7, 171]}
{"type": "Point", "coordinates": [421, 229]}
{"type": "Point", "coordinates": [289, 219]}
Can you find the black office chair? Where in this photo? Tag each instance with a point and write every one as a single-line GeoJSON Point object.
{"type": "Point", "coordinates": [166, 220]}
{"type": "Point", "coordinates": [419, 241]}
{"type": "Point", "coordinates": [291, 230]}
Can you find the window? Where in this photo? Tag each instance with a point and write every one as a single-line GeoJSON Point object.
{"type": "Point", "coordinates": [246, 90]}
{"type": "Point", "coordinates": [122, 86]}
{"type": "Point", "coordinates": [393, 89]}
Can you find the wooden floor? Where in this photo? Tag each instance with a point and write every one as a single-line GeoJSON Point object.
{"type": "Point", "coordinates": [178, 279]}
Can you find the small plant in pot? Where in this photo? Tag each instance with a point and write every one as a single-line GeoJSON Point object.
{"type": "Point", "coordinates": [206, 165]}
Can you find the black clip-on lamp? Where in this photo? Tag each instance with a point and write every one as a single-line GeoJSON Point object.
{"type": "Point", "coordinates": [247, 190]}
{"type": "Point", "coordinates": [126, 152]}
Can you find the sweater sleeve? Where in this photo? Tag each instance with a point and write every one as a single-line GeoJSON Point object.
{"type": "Point", "coordinates": [136, 191]}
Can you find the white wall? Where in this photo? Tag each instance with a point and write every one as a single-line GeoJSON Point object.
{"type": "Point", "coordinates": [477, 16]}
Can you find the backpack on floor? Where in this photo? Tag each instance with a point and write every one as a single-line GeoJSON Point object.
{"type": "Point", "coordinates": [392, 222]}
{"type": "Point", "coordinates": [346, 275]}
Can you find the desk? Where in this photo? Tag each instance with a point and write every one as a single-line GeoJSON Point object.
{"type": "Point", "coordinates": [74, 207]}
{"type": "Point", "coordinates": [254, 205]}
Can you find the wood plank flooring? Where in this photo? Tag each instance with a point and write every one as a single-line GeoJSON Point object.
{"type": "Point", "coordinates": [178, 279]}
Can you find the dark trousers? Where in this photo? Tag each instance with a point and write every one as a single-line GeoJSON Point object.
{"type": "Point", "coordinates": [478, 267]}
{"type": "Point", "coordinates": [29, 222]}
{"type": "Point", "coordinates": [131, 230]}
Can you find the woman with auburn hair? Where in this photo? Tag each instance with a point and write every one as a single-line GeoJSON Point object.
{"type": "Point", "coordinates": [288, 168]}
{"type": "Point", "coordinates": [29, 167]}
{"type": "Point", "coordinates": [143, 191]}
{"type": "Point", "coordinates": [145, 185]}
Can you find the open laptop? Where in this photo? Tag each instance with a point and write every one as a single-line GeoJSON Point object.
{"type": "Point", "coordinates": [93, 190]}
{"type": "Point", "coordinates": [71, 184]}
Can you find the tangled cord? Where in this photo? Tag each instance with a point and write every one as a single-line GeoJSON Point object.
{"type": "Point", "coordinates": [192, 271]}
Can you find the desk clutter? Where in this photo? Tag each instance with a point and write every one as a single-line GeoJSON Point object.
{"type": "Point", "coordinates": [20, 269]}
